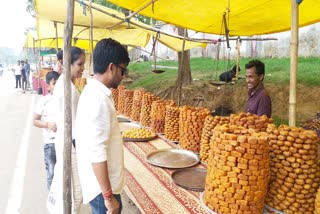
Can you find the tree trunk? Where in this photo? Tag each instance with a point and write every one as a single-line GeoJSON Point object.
{"type": "Point", "coordinates": [184, 70]}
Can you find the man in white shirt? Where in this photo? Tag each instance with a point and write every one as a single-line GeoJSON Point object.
{"type": "Point", "coordinates": [44, 117]}
{"type": "Point", "coordinates": [98, 137]}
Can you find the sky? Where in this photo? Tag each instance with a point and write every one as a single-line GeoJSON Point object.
{"type": "Point", "coordinates": [14, 20]}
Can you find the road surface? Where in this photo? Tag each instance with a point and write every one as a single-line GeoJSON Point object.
{"type": "Point", "coordinates": [22, 183]}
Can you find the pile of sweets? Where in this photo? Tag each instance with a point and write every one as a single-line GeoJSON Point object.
{"type": "Point", "coordinates": [238, 171]}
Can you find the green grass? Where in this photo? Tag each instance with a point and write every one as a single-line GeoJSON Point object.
{"type": "Point", "coordinates": [277, 71]}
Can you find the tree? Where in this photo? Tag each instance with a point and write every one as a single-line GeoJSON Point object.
{"type": "Point", "coordinates": [184, 70]}
{"type": "Point", "coordinates": [30, 7]}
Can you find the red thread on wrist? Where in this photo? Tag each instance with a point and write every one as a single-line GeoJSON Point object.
{"type": "Point", "coordinates": [107, 195]}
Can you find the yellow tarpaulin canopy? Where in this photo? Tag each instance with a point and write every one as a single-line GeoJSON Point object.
{"type": "Point", "coordinates": [32, 42]}
{"type": "Point", "coordinates": [133, 37]}
{"type": "Point", "coordinates": [246, 18]}
{"type": "Point", "coordinates": [50, 11]}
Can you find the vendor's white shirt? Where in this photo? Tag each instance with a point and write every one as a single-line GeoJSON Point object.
{"type": "Point", "coordinates": [45, 108]}
{"type": "Point", "coordinates": [98, 139]}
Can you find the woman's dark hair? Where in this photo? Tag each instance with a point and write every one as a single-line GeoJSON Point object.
{"type": "Point", "coordinates": [52, 75]}
{"type": "Point", "coordinates": [60, 55]}
{"type": "Point", "coordinates": [258, 65]}
{"type": "Point", "coordinates": [108, 51]}
{"type": "Point", "coordinates": [76, 54]}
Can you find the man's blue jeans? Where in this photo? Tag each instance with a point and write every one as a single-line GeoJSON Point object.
{"type": "Point", "coordinates": [98, 207]}
{"type": "Point", "coordinates": [50, 161]}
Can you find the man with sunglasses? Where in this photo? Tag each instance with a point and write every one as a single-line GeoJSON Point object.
{"type": "Point", "coordinates": [98, 137]}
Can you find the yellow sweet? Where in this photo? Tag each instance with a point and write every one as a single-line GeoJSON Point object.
{"type": "Point", "coordinates": [137, 133]}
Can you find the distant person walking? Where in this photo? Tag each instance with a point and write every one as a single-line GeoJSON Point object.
{"type": "Point", "coordinates": [24, 77]}
{"type": "Point", "coordinates": [27, 70]}
{"type": "Point", "coordinates": [17, 73]}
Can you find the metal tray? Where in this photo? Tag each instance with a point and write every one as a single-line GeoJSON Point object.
{"type": "Point", "coordinates": [267, 209]}
{"type": "Point", "coordinates": [139, 139]}
{"type": "Point", "coordinates": [173, 158]}
{"type": "Point", "coordinates": [122, 119]}
{"type": "Point", "coordinates": [191, 178]}
{"type": "Point", "coordinates": [204, 205]}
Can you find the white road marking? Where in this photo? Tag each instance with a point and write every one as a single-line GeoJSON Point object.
{"type": "Point", "coordinates": [16, 189]}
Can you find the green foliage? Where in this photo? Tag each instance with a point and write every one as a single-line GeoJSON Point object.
{"type": "Point", "coordinates": [30, 7]}
{"type": "Point", "coordinates": [107, 4]}
{"type": "Point", "coordinates": [139, 17]}
{"type": "Point", "coordinates": [277, 70]}
{"type": "Point", "coordinates": [8, 56]}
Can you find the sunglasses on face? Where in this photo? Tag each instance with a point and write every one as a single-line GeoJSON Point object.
{"type": "Point", "coordinates": [123, 70]}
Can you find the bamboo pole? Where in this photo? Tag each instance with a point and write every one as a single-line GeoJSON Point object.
{"type": "Point", "coordinates": [238, 58]}
{"type": "Point", "coordinates": [181, 68]}
{"type": "Point", "coordinates": [146, 27]}
{"type": "Point", "coordinates": [57, 42]}
{"type": "Point", "coordinates": [68, 28]}
{"type": "Point", "coordinates": [34, 44]}
{"type": "Point", "coordinates": [131, 15]}
{"type": "Point", "coordinates": [293, 62]}
{"type": "Point", "coordinates": [91, 36]}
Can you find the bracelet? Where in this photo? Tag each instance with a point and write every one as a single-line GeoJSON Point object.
{"type": "Point", "coordinates": [107, 195]}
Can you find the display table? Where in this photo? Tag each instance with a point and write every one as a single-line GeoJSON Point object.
{"type": "Point", "coordinates": [151, 188]}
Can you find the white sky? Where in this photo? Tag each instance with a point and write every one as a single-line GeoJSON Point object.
{"type": "Point", "coordinates": [13, 23]}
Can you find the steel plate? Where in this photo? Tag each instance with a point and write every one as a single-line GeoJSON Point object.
{"type": "Point", "coordinates": [123, 119]}
{"type": "Point", "coordinates": [139, 139]}
{"type": "Point", "coordinates": [267, 209]}
{"type": "Point", "coordinates": [204, 205]}
{"type": "Point", "coordinates": [191, 178]}
{"type": "Point", "coordinates": [173, 158]}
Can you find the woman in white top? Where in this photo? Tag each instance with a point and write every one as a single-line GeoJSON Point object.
{"type": "Point", "coordinates": [17, 73]}
{"type": "Point", "coordinates": [55, 198]}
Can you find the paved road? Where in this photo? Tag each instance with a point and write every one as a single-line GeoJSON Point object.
{"type": "Point", "coordinates": [22, 173]}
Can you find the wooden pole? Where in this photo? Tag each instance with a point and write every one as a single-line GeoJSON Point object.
{"type": "Point", "coordinates": [181, 68]}
{"type": "Point", "coordinates": [238, 58]}
{"type": "Point", "coordinates": [91, 36]}
{"type": "Point", "coordinates": [293, 62]}
{"type": "Point", "coordinates": [131, 15]}
{"type": "Point", "coordinates": [68, 28]}
{"type": "Point", "coordinates": [57, 42]}
{"type": "Point", "coordinates": [146, 27]}
{"type": "Point", "coordinates": [34, 48]}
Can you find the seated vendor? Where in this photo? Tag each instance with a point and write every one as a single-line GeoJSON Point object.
{"type": "Point", "coordinates": [259, 102]}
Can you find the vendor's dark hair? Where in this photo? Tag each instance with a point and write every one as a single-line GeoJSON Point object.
{"type": "Point", "coordinates": [76, 53]}
{"type": "Point", "coordinates": [60, 55]}
{"type": "Point", "coordinates": [108, 51]}
{"type": "Point", "coordinates": [52, 75]}
{"type": "Point", "coordinates": [258, 64]}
